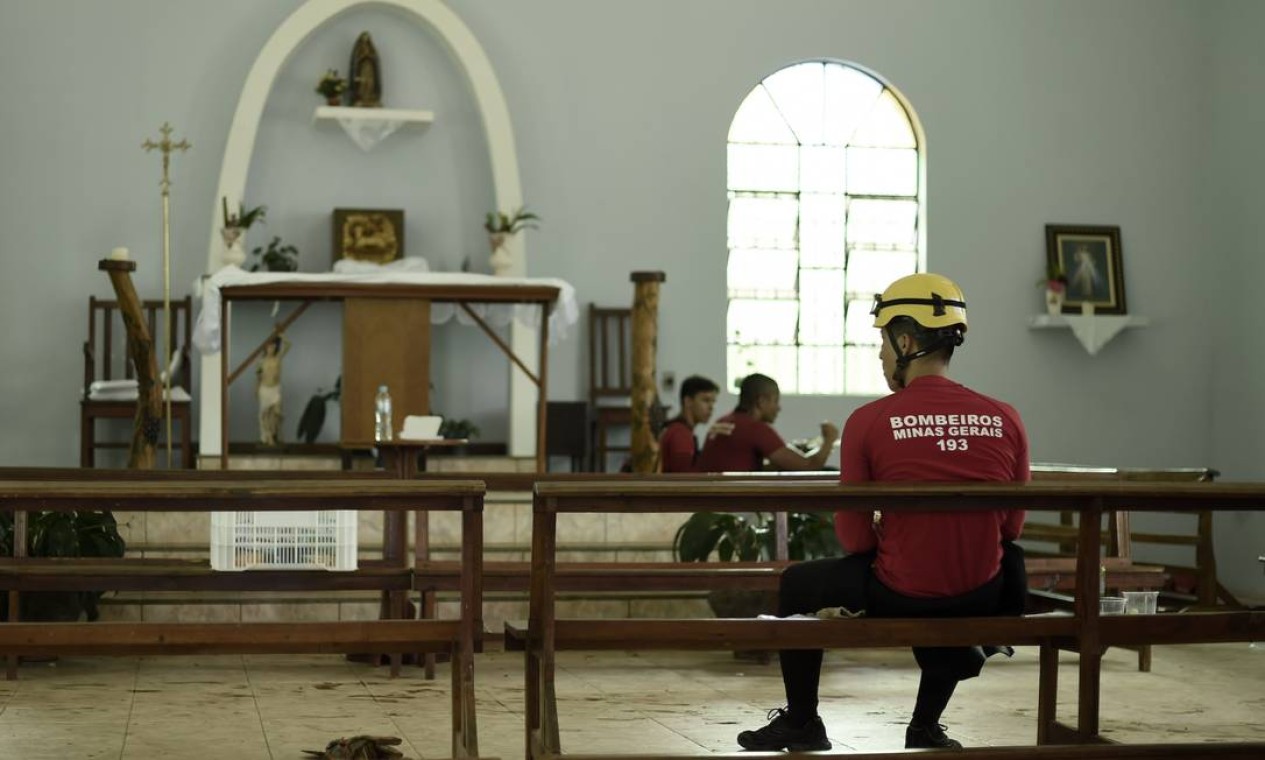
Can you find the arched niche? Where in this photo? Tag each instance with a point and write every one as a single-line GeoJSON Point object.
{"type": "Point", "coordinates": [499, 133]}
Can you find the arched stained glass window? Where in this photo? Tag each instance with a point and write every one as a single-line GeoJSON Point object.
{"type": "Point", "coordinates": [825, 209]}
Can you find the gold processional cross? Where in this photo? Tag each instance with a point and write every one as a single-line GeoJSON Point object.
{"type": "Point", "coordinates": [167, 146]}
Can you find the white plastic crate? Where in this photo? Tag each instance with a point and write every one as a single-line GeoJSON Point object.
{"type": "Point", "coordinates": [322, 540]}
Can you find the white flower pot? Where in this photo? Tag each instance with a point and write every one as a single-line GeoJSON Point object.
{"type": "Point", "coordinates": [500, 260]}
{"type": "Point", "coordinates": [234, 253]}
{"type": "Point", "coordinates": [1054, 301]}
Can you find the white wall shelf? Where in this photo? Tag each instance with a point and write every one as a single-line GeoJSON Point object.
{"type": "Point", "coordinates": [1093, 332]}
{"type": "Point", "coordinates": [369, 126]}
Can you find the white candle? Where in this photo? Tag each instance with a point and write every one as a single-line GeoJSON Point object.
{"type": "Point", "coordinates": [119, 254]}
{"type": "Point", "coordinates": [1087, 309]}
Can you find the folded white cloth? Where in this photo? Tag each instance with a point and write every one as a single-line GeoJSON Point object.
{"type": "Point", "coordinates": [130, 386]}
{"type": "Point", "coordinates": [131, 393]}
{"type": "Point", "coordinates": [421, 428]}
{"type": "Point", "coordinates": [111, 385]}
{"type": "Point", "coordinates": [406, 264]}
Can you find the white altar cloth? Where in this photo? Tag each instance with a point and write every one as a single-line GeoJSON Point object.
{"type": "Point", "coordinates": [206, 333]}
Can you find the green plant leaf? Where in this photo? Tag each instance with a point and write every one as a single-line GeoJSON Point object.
{"type": "Point", "coordinates": [53, 534]}
{"type": "Point", "coordinates": [276, 257]}
{"type": "Point", "coordinates": [458, 428]}
{"type": "Point", "coordinates": [74, 534]}
{"type": "Point", "coordinates": [510, 224]}
{"type": "Point", "coordinates": [697, 538]}
{"type": "Point", "coordinates": [734, 537]}
{"type": "Point", "coordinates": [6, 534]}
{"type": "Point", "coordinates": [811, 535]}
{"type": "Point", "coordinates": [245, 218]}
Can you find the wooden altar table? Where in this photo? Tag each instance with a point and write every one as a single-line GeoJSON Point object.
{"type": "Point", "coordinates": [368, 312]}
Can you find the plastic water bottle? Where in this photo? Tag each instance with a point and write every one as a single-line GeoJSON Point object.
{"type": "Point", "coordinates": [382, 415]}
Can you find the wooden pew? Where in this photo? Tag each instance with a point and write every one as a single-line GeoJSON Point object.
{"type": "Point", "coordinates": [1046, 574]}
{"type": "Point", "coordinates": [459, 638]}
{"type": "Point", "coordinates": [1050, 577]}
{"type": "Point", "coordinates": [432, 576]}
{"type": "Point", "coordinates": [1084, 752]}
{"type": "Point", "coordinates": [1120, 537]}
{"type": "Point", "coordinates": [544, 634]}
{"type": "Point", "coordinates": [391, 575]}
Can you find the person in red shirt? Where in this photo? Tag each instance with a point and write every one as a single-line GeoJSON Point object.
{"type": "Point", "coordinates": [904, 564]}
{"type": "Point", "coordinates": [753, 438]}
{"type": "Point", "coordinates": [678, 448]}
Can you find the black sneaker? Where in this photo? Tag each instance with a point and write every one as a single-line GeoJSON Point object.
{"type": "Point", "coordinates": [782, 734]}
{"type": "Point", "coordinates": [930, 736]}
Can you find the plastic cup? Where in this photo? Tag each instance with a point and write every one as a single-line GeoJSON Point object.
{"type": "Point", "coordinates": [1111, 605]}
{"type": "Point", "coordinates": [1140, 602]}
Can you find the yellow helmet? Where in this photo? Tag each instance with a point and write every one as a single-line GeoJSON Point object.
{"type": "Point", "coordinates": [932, 300]}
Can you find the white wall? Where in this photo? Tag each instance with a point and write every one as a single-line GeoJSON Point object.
{"type": "Point", "coordinates": [1233, 202]}
{"type": "Point", "coordinates": [440, 176]}
{"type": "Point", "coordinates": [1035, 113]}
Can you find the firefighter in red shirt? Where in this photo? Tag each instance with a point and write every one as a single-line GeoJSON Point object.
{"type": "Point", "coordinates": [934, 564]}
{"type": "Point", "coordinates": [678, 448]}
{"type": "Point", "coordinates": [751, 438]}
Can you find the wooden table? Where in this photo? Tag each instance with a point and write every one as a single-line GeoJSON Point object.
{"type": "Point", "coordinates": [375, 303]}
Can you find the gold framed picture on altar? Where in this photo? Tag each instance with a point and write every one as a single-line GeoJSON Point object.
{"type": "Point", "coordinates": [373, 235]}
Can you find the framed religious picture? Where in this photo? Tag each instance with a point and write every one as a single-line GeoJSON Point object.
{"type": "Point", "coordinates": [1089, 259]}
{"type": "Point", "coordinates": [373, 235]}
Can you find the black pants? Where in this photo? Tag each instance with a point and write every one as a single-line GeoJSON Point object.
{"type": "Point", "coordinates": [849, 582]}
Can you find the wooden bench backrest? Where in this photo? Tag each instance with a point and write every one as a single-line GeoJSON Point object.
{"type": "Point", "coordinates": [209, 476]}
{"type": "Point", "coordinates": [105, 350]}
{"type": "Point", "coordinates": [1122, 536]}
{"type": "Point", "coordinates": [610, 367]}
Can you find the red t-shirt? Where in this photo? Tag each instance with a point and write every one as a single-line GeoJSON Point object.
{"type": "Point", "coordinates": [743, 450]}
{"type": "Point", "coordinates": [677, 446]}
{"type": "Point", "coordinates": [937, 431]}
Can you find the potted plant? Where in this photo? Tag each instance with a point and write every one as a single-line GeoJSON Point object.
{"type": "Point", "coordinates": [743, 538]}
{"type": "Point", "coordinates": [1055, 284]}
{"type": "Point", "coordinates": [276, 257]}
{"type": "Point", "coordinates": [234, 230]}
{"type": "Point", "coordinates": [332, 87]}
{"type": "Point", "coordinates": [463, 430]}
{"type": "Point", "coordinates": [451, 429]}
{"type": "Point", "coordinates": [64, 534]}
{"type": "Point", "coordinates": [500, 227]}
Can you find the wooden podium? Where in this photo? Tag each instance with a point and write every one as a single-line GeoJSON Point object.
{"type": "Point", "coordinates": [385, 342]}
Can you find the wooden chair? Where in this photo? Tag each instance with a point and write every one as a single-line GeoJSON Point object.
{"type": "Point", "coordinates": [107, 392]}
{"type": "Point", "coordinates": [610, 377]}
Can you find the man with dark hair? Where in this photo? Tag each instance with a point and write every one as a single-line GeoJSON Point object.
{"type": "Point", "coordinates": [753, 438]}
{"type": "Point", "coordinates": [678, 449]}
{"type": "Point", "coordinates": [912, 564]}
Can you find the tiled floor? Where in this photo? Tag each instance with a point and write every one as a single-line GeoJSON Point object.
{"type": "Point", "coordinates": [245, 708]}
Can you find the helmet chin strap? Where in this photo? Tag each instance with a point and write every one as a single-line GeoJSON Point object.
{"type": "Point", "coordinates": [940, 339]}
{"type": "Point", "coordinates": [902, 360]}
